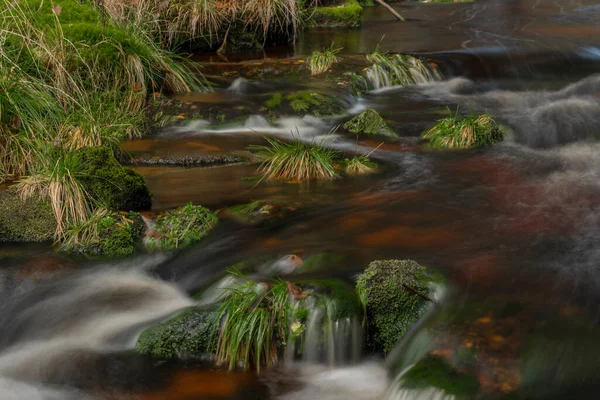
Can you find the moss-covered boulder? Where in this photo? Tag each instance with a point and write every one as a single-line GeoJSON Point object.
{"type": "Point", "coordinates": [25, 221]}
{"type": "Point", "coordinates": [189, 335]}
{"type": "Point", "coordinates": [181, 227]}
{"type": "Point", "coordinates": [344, 15]}
{"type": "Point", "coordinates": [369, 123]}
{"type": "Point", "coordinates": [106, 233]}
{"type": "Point", "coordinates": [394, 294]}
{"type": "Point", "coordinates": [112, 185]}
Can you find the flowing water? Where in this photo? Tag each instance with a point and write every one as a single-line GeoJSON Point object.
{"type": "Point", "coordinates": [515, 228]}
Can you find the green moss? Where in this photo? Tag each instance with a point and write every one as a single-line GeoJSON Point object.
{"type": "Point", "coordinates": [25, 221]}
{"type": "Point", "coordinates": [345, 16]}
{"type": "Point", "coordinates": [309, 102]}
{"type": "Point", "coordinates": [112, 185]}
{"type": "Point", "coordinates": [434, 371]}
{"type": "Point", "coordinates": [188, 335]}
{"type": "Point", "coordinates": [369, 123]}
{"type": "Point", "coordinates": [106, 233]}
{"type": "Point", "coordinates": [391, 307]}
{"type": "Point", "coordinates": [274, 101]}
{"type": "Point", "coordinates": [181, 227]}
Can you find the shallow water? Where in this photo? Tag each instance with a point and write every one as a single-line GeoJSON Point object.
{"type": "Point", "coordinates": [515, 228]}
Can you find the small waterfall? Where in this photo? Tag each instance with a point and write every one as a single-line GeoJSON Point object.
{"type": "Point", "coordinates": [399, 70]}
{"type": "Point", "coordinates": [238, 86]}
{"type": "Point", "coordinates": [326, 339]}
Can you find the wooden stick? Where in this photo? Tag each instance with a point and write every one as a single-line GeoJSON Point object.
{"type": "Point", "coordinates": [415, 291]}
{"type": "Point", "coordinates": [390, 9]}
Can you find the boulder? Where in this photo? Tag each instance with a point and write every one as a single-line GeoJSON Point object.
{"type": "Point", "coordinates": [369, 123]}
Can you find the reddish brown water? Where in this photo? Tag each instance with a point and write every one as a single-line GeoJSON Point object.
{"type": "Point", "coordinates": [516, 224]}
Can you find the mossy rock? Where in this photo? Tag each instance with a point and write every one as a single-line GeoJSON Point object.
{"type": "Point", "coordinates": [25, 221]}
{"type": "Point", "coordinates": [389, 291]}
{"type": "Point", "coordinates": [318, 104]}
{"type": "Point", "coordinates": [347, 15]}
{"type": "Point", "coordinates": [188, 335]}
{"type": "Point", "coordinates": [436, 372]}
{"type": "Point", "coordinates": [181, 227]}
{"type": "Point", "coordinates": [112, 185]}
{"type": "Point", "coordinates": [116, 236]}
{"type": "Point", "coordinates": [369, 123]}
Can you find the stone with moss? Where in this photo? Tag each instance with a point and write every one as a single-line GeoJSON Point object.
{"type": "Point", "coordinates": [252, 213]}
{"type": "Point", "coordinates": [110, 184]}
{"type": "Point", "coordinates": [344, 303]}
{"type": "Point", "coordinates": [107, 234]}
{"type": "Point", "coordinates": [181, 227]}
{"type": "Point", "coordinates": [345, 15]}
{"type": "Point", "coordinates": [393, 293]}
{"type": "Point", "coordinates": [189, 335]}
{"type": "Point", "coordinates": [369, 123]}
{"type": "Point", "coordinates": [318, 104]}
{"type": "Point", "coordinates": [436, 372]}
{"type": "Point", "coordinates": [31, 220]}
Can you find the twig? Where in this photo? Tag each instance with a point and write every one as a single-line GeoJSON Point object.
{"type": "Point", "coordinates": [390, 9]}
{"type": "Point", "coordinates": [415, 291]}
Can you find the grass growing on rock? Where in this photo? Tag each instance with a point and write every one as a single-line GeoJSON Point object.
{"type": "Point", "coordinates": [254, 324]}
{"type": "Point", "coordinates": [347, 15]}
{"type": "Point", "coordinates": [105, 233]}
{"type": "Point", "coordinates": [181, 227]}
{"type": "Point", "coordinates": [321, 61]}
{"type": "Point", "coordinates": [459, 132]}
{"type": "Point", "coordinates": [359, 165]}
{"type": "Point", "coordinates": [296, 161]}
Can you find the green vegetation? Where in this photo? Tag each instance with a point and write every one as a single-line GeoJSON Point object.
{"type": "Point", "coordinates": [72, 78]}
{"type": "Point", "coordinates": [105, 233]}
{"type": "Point", "coordinates": [359, 165]}
{"type": "Point", "coordinates": [109, 183]}
{"type": "Point", "coordinates": [460, 132]}
{"type": "Point", "coordinates": [434, 371]}
{"type": "Point", "coordinates": [346, 15]}
{"type": "Point", "coordinates": [369, 123]}
{"type": "Point", "coordinates": [181, 227]}
{"type": "Point", "coordinates": [389, 291]}
{"type": "Point", "coordinates": [254, 324]}
{"type": "Point", "coordinates": [321, 61]}
{"type": "Point", "coordinates": [296, 161]}
{"type": "Point", "coordinates": [274, 101]}
{"type": "Point", "coordinates": [190, 334]}
{"type": "Point", "coordinates": [399, 70]}
{"type": "Point", "coordinates": [25, 221]}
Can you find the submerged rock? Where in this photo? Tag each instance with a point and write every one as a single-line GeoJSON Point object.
{"type": "Point", "coordinates": [112, 185]}
{"type": "Point", "coordinates": [31, 220]}
{"type": "Point", "coordinates": [369, 123]}
{"type": "Point", "coordinates": [318, 104]}
{"type": "Point", "coordinates": [188, 335]}
{"type": "Point", "coordinates": [395, 295]}
{"type": "Point", "coordinates": [180, 227]}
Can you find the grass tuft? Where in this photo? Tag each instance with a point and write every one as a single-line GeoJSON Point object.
{"type": "Point", "coordinates": [359, 165]}
{"type": "Point", "coordinates": [321, 61]}
{"type": "Point", "coordinates": [254, 319]}
{"type": "Point", "coordinates": [459, 132]}
{"type": "Point", "coordinates": [296, 161]}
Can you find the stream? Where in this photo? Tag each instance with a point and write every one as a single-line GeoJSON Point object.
{"type": "Point", "coordinates": [514, 228]}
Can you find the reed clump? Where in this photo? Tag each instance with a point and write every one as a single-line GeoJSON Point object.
{"type": "Point", "coordinates": [321, 61]}
{"type": "Point", "coordinates": [399, 69]}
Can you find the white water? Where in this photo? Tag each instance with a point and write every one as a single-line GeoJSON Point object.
{"type": "Point", "coordinates": [55, 326]}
